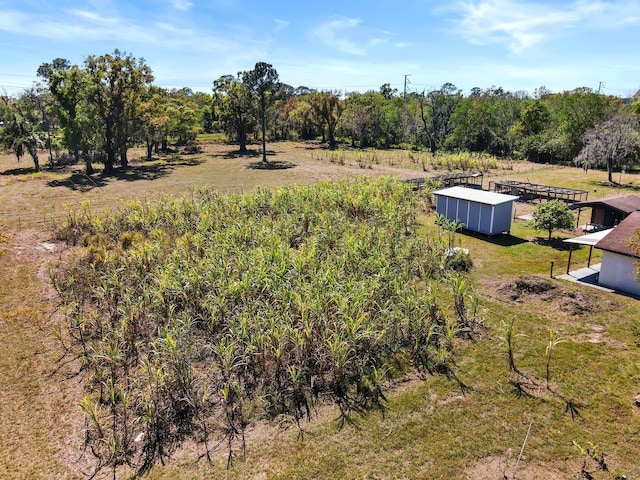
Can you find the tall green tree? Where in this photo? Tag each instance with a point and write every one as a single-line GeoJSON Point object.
{"type": "Point", "coordinates": [302, 118]}
{"type": "Point", "coordinates": [528, 132]}
{"type": "Point", "coordinates": [68, 86]}
{"type": "Point", "coordinates": [373, 119]}
{"type": "Point", "coordinates": [278, 122]}
{"type": "Point", "coordinates": [115, 85]}
{"type": "Point", "coordinates": [328, 107]}
{"type": "Point", "coordinates": [234, 109]}
{"type": "Point", "coordinates": [360, 120]}
{"type": "Point", "coordinates": [572, 113]}
{"type": "Point", "coordinates": [262, 82]}
{"type": "Point", "coordinates": [436, 111]}
{"type": "Point", "coordinates": [155, 119]}
{"type": "Point", "coordinates": [482, 122]}
{"type": "Point", "coordinates": [22, 131]}
{"type": "Point", "coordinates": [184, 118]}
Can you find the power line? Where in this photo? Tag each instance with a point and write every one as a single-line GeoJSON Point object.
{"type": "Point", "coordinates": [406, 80]}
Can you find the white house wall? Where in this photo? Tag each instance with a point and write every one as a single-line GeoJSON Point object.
{"type": "Point", "coordinates": [618, 272]}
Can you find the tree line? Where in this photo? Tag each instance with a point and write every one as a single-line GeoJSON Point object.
{"type": "Point", "coordinates": [97, 111]}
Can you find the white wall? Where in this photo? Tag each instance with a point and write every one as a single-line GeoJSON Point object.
{"type": "Point", "coordinates": [618, 272]}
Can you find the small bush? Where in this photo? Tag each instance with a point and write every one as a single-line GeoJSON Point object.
{"type": "Point", "coordinates": [127, 239]}
{"type": "Point", "coordinates": [459, 261]}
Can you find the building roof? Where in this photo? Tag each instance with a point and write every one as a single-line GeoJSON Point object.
{"type": "Point", "coordinates": [475, 195]}
{"type": "Point", "coordinates": [589, 238]}
{"type": "Point", "coordinates": [618, 240]}
{"type": "Point", "coordinates": [623, 203]}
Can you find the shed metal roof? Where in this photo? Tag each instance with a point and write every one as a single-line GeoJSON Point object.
{"type": "Point", "coordinates": [474, 195]}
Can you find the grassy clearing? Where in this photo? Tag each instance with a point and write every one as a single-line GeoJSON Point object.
{"type": "Point", "coordinates": [429, 430]}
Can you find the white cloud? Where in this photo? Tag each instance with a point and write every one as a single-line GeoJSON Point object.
{"type": "Point", "coordinates": [11, 21]}
{"type": "Point", "coordinates": [79, 25]}
{"type": "Point", "coordinates": [522, 25]}
{"type": "Point", "coordinates": [280, 24]}
{"type": "Point", "coordinates": [346, 35]}
{"type": "Point", "coordinates": [93, 17]}
{"type": "Point", "coordinates": [87, 26]}
{"type": "Point", "coordinates": [333, 33]}
{"type": "Point", "coordinates": [181, 4]}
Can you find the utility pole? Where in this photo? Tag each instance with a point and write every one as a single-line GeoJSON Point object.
{"type": "Point", "coordinates": [600, 85]}
{"type": "Point", "coordinates": [406, 80]}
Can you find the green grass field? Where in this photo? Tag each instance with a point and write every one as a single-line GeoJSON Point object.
{"type": "Point", "coordinates": [431, 429]}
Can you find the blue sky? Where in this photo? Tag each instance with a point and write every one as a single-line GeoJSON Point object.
{"type": "Point", "coordinates": [340, 45]}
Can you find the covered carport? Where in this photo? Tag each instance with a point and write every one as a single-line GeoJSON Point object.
{"type": "Point", "coordinates": [589, 239]}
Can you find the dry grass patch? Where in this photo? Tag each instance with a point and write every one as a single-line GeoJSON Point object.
{"type": "Point", "coordinates": [37, 415]}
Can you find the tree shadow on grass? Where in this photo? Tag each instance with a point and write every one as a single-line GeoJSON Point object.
{"type": "Point", "coordinates": [555, 243]}
{"type": "Point", "coordinates": [81, 182]}
{"type": "Point", "coordinates": [504, 240]}
{"type": "Point", "coordinates": [239, 154]}
{"type": "Point", "coordinates": [175, 161]}
{"type": "Point", "coordinates": [19, 171]}
{"type": "Point", "coordinates": [271, 165]}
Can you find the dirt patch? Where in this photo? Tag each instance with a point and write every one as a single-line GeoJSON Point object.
{"type": "Point", "coordinates": [451, 398]}
{"type": "Point", "coordinates": [531, 286]}
{"type": "Point", "coordinates": [575, 303]}
{"type": "Point", "coordinates": [596, 335]}
{"type": "Point", "coordinates": [528, 284]}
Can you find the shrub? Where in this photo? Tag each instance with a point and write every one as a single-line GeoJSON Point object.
{"type": "Point", "coordinates": [459, 260]}
{"type": "Point", "coordinates": [552, 215]}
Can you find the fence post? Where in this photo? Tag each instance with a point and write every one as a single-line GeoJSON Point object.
{"type": "Point", "coordinates": [551, 273]}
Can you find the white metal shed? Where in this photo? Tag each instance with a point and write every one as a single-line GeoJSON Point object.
{"type": "Point", "coordinates": [477, 210]}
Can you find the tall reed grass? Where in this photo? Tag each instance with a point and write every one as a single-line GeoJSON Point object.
{"type": "Point", "coordinates": [194, 316]}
